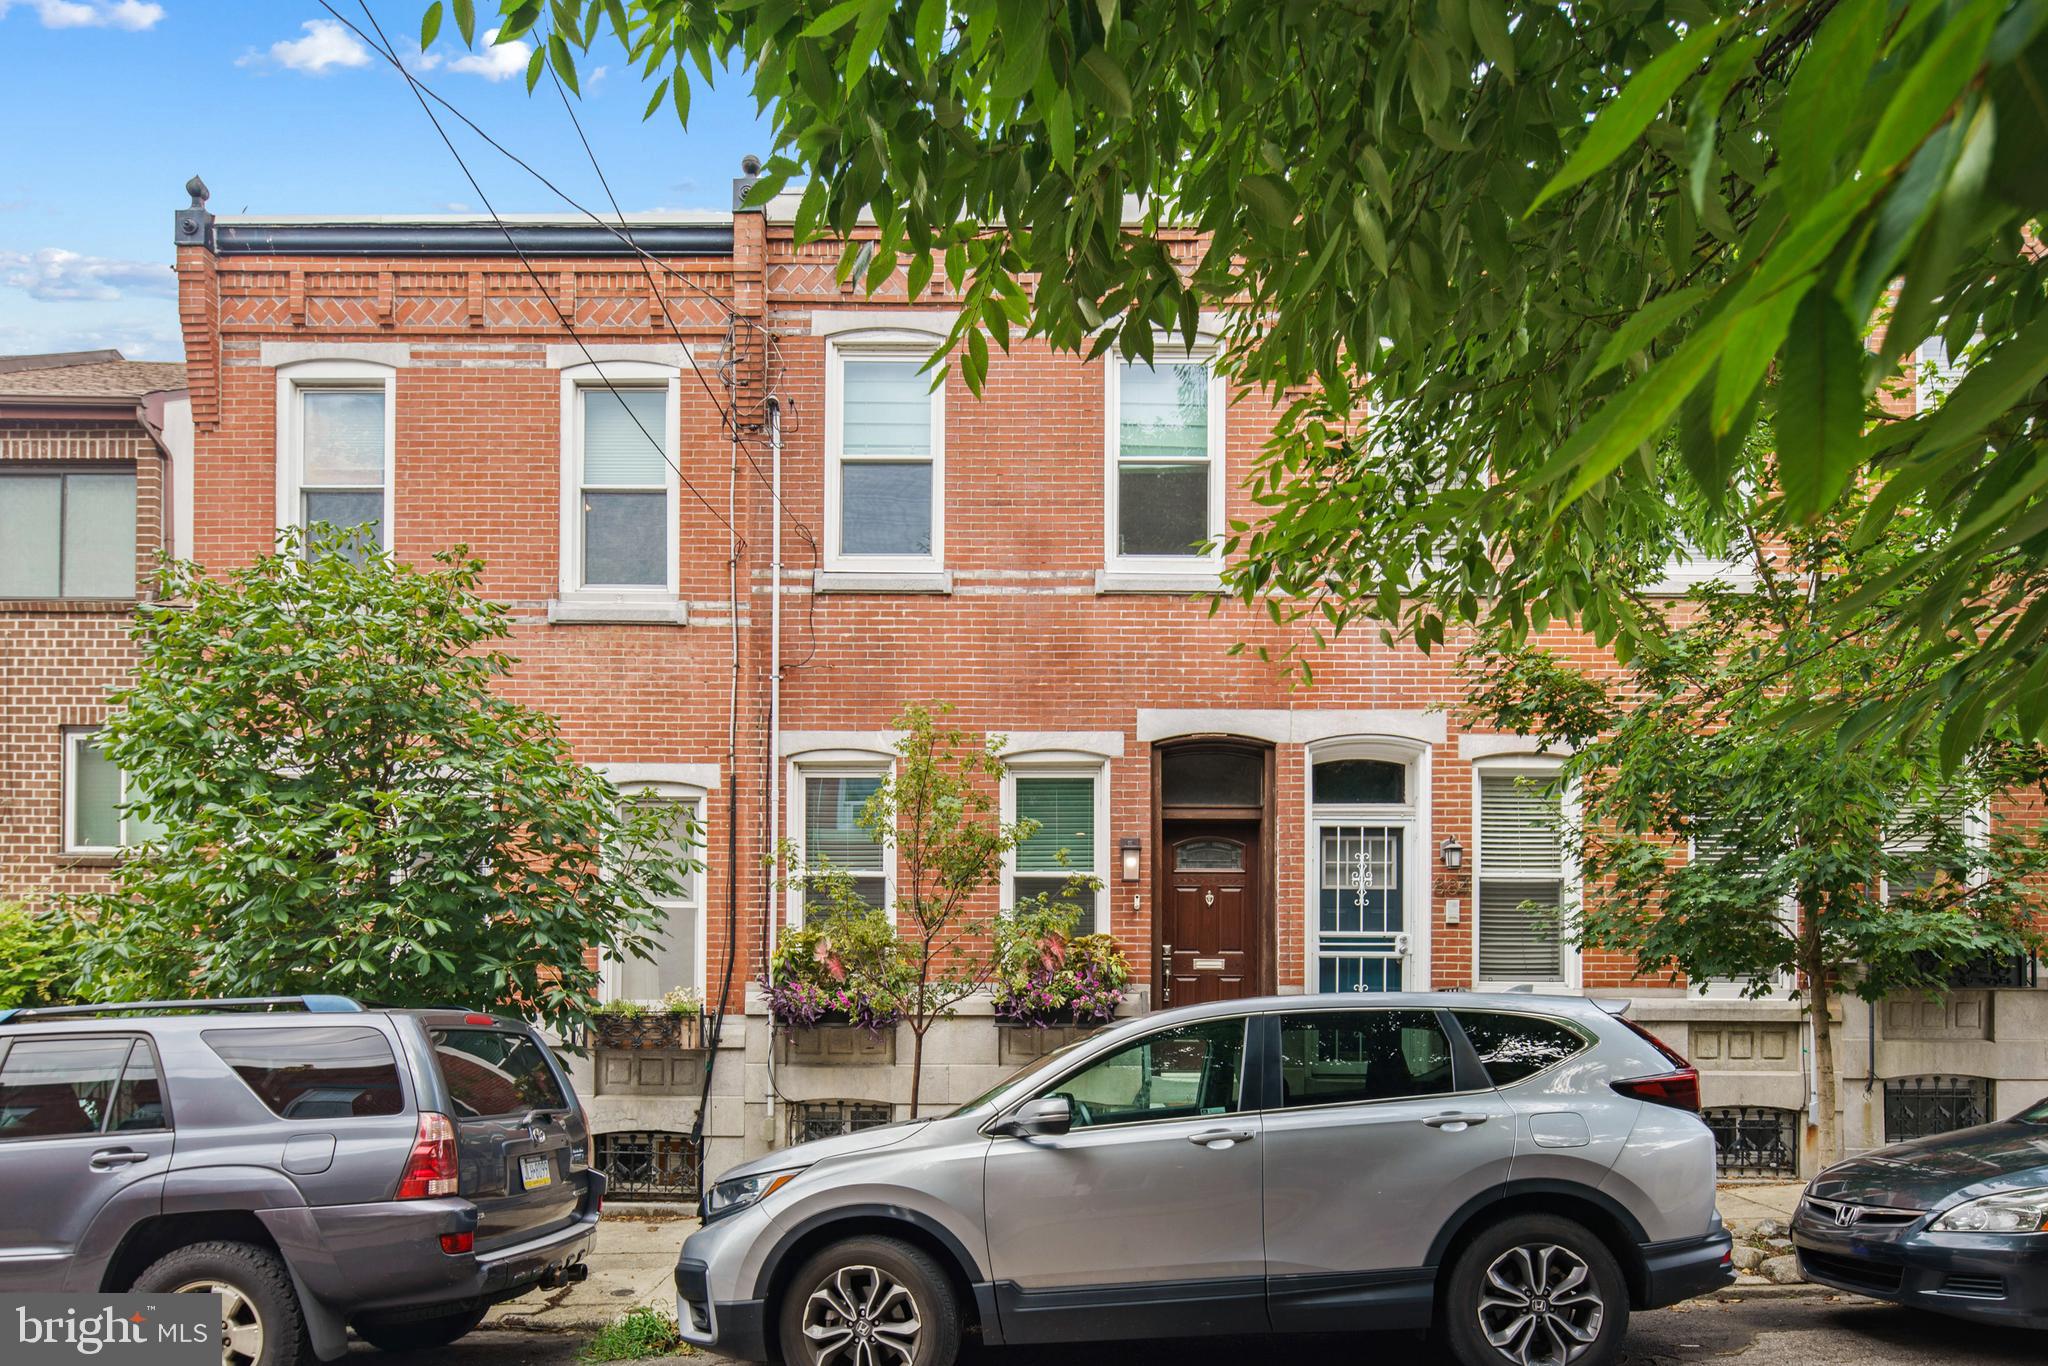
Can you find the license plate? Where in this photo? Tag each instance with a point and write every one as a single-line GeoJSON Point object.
{"type": "Point", "coordinates": [536, 1171]}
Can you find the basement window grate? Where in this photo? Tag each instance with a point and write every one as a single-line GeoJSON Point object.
{"type": "Point", "coordinates": [831, 1118]}
{"type": "Point", "coordinates": [1754, 1140]}
{"type": "Point", "coordinates": [1919, 1107]}
{"type": "Point", "coordinates": [647, 1164]}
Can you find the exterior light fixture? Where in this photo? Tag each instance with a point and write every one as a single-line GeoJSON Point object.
{"type": "Point", "coordinates": [1453, 852]}
{"type": "Point", "coordinates": [1129, 849]}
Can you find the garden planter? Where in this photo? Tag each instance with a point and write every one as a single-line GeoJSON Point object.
{"type": "Point", "coordinates": [834, 1042]}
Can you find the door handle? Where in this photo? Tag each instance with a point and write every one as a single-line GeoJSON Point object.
{"type": "Point", "coordinates": [1210, 1138]}
{"type": "Point", "coordinates": [109, 1158]}
{"type": "Point", "coordinates": [1166, 974]}
{"type": "Point", "coordinates": [1454, 1120]}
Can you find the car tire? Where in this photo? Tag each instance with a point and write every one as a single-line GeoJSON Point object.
{"type": "Point", "coordinates": [261, 1324]}
{"type": "Point", "coordinates": [419, 1335]}
{"type": "Point", "coordinates": [870, 1287]}
{"type": "Point", "coordinates": [1534, 1290]}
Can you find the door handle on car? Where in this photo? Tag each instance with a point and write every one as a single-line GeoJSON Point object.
{"type": "Point", "coordinates": [1454, 1120]}
{"type": "Point", "coordinates": [1220, 1138]}
{"type": "Point", "coordinates": [107, 1159]}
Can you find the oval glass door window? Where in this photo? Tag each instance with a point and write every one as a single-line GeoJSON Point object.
{"type": "Point", "coordinates": [1209, 856]}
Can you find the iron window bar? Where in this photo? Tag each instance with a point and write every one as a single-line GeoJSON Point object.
{"type": "Point", "coordinates": [1754, 1140]}
{"type": "Point", "coordinates": [1920, 1107]}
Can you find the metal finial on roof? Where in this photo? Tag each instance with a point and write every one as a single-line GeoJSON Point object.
{"type": "Point", "coordinates": [750, 164]}
{"type": "Point", "coordinates": [197, 189]}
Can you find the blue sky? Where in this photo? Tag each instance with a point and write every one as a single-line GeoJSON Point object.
{"type": "Point", "coordinates": [110, 105]}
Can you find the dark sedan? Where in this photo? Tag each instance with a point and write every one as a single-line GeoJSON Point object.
{"type": "Point", "coordinates": [1957, 1224]}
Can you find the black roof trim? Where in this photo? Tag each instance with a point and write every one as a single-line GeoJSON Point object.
{"type": "Point", "coordinates": [467, 239]}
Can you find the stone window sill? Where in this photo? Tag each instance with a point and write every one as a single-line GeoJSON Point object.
{"type": "Point", "coordinates": [614, 612]}
{"type": "Point", "coordinates": [862, 581]}
{"type": "Point", "coordinates": [1181, 583]}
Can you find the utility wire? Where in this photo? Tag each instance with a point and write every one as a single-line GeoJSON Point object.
{"type": "Point", "coordinates": [390, 54]}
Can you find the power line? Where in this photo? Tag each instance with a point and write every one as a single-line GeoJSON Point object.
{"type": "Point", "coordinates": [534, 275]}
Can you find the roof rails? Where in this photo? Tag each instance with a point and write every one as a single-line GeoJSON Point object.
{"type": "Point", "coordinates": [313, 1004]}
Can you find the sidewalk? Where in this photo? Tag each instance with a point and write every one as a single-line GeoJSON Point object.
{"type": "Point", "coordinates": [1744, 1204]}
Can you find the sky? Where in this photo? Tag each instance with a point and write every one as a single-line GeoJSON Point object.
{"type": "Point", "coordinates": [111, 105]}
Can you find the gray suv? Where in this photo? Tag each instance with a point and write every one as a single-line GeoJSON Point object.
{"type": "Point", "coordinates": [317, 1164]}
{"type": "Point", "coordinates": [1515, 1172]}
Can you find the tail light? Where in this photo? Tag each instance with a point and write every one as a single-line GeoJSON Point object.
{"type": "Point", "coordinates": [454, 1244]}
{"type": "Point", "coordinates": [1679, 1088]}
{"type": "Point", "coordinates": [430, 1169]}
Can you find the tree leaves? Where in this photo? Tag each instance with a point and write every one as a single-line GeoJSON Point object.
{"type": "Point", "coordinates": [1820, 405]}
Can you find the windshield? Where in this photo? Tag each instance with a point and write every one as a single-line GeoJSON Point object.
{"type": "Point", "coordinates": [1029, 1069]}
{"type": "Point", "coordinates": [2037, 1115]}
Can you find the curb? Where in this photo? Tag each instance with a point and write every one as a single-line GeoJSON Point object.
{"type": "Point", "coordinates": [1770, 1290]}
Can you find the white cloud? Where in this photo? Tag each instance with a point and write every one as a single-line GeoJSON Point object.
{"type": "Point", "coordinates": [327, 44]}
{"type": "Point", "coordinates": [137, 338]}
{"type": "Point", "coordinates": [54, 274]}
{"type": "Point", "coordinates": [497, 62]}
{"type": "Point", "coordinates": [133, 15]}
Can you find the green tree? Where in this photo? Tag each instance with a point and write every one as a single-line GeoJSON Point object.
{"type": "Point", "coordinates": [348, 804]}
{"type": "Point", "coordinates": [38, 956]}
{"type": "Point", "coordinates": [1488, 251]}
{"type": "Point", "coordinates": [1718, 838]}
{"type": "Point", "coordinates": [939, 811]}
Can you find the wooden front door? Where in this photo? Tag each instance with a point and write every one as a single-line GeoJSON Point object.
{"type": "Point", "coordinates": [1209, 934]}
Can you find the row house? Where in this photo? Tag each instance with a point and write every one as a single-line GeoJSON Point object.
{"type": "Point", "coordinates": [738, 529]}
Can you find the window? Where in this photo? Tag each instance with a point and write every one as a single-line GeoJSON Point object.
{"type": "Point", "coordinates": [1727, 856]}
{"type": "Point", "coordinates": [832, 835]}
{"type": "Point", "coordinates": [1519, 868]}
{"type": "Point", "coordinates": [1192, 776]}
{"type": "Point", "coordinates": [1350, 782]}
{"type": "Point", "coordinates": [1065, 844]}
{"type": "Point", "coordinates": [96, 794]}
{"type": "Point", "coordinates": [678, 958]}
{"type": "Point", "coordinates": [496, 1072]}
{"type": "Point", "coordinates": [647, 1164]}
{"type": "Point", "coordinates": [314, 1072]}
{"type": "Point", "coordinates": [624, 514]}
{"type": "Point", "coordinates": [1165, 498]}
{"type": "Point", "coordinates": [67, 534]}
{"type": "Point", "coordinates": [342, 461]}
{"type": "Point", "coordinates": [1358, 878]}
{"type": "Point", "coordinates": [1355, 1055]}
{"type": "Point", "coordinates": [885, 461]}
{"type": "Point", "coordinates": [56, 1088]}
{"type": "Point", "coordinates": [1183, 1073]}
{"type": "Point", "coordinates": [1517, 1047]}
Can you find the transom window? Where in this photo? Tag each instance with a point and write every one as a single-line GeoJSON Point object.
{"type": "Point", "coordinates": [1166, 484]}
{"type": "Point", "coordinates": [1521, 877]}
{"type": "Point", "coordinates": [832, 835]}
{"type": "Point", "coordinates": [96, 796]}
{"type": "Point", "coordinates": [1184, 1073]}
{"type": "Point", "coordinates": [1063, 846]}
{"type": "Point", "coordinates": [67, 534]}
{"type": "Point", "coordinates": [625, 516]}
{"type": "Point", "coordinates": [885, 461]}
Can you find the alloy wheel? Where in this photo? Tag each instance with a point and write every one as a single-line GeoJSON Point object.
{"type": "Point", "coordinates": [241, 1327]}
{"type": "Point", "coordinates": [1539, 1305]}
{"type": "Point", "coordinates": [860, 1316]}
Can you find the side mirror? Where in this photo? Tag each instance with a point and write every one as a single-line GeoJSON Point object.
{"type": "Point", "coordinates": [1048, 1116]}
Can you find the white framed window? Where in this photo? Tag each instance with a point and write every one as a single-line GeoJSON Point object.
{"type": "Point", "coordinates": [1069, 798]}
{"type": "Point", "coordinates": [826, 797]}
{"type": "Point", "coordinates": [1164, 471]}
{"type": "Point", "coordinates": [337, 425]}
{"type": "Point", "coordinates": [96, 794]}
{"type": "Point", "coordinates": [620, 514]}
{"type": "Point", "coordinates": [1935, 373]}
{"type": "Point", "coordinates": [1522, 878]}
{"type": "Point", "coordinates": [1711, 848]}
{"type": "Point", "coordinates": [1368, 868]}
{"type": "Point", "coordinates": [67, 533]}
{"type": "Point", "coordinates": [679, 955]}
{"type": "Point", "coordinates": [885, 456]}
{"type": "Point", "coordinates": [1972, 825]}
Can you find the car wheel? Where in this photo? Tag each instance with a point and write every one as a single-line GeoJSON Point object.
{"type": "Point", "coordinates": [260, 1322]}
{"type": "Point", "coordinates": [1535, 1290]}
{"type": "Point", "coordinates": [869, 1302]}
{"type": "Point", "coordinates": [418, 1335]}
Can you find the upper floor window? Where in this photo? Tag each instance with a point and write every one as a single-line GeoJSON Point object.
{"type": "Point", "coordinates": [623, 528]}
{"type": "Point", "coordinates": [96, 796]}
{"type": "Point", "coordinates": [67, 534]}
{"type": "Point", "coordinates": [335, 438]}
{"type": "Point", "coordinates": [1166, 464]}
{"type": "Point", "coordinates": [885, 461]}
{"type": "Point", "coordinates": [1066, 842]}
{"type": "Point", "coordinates": [1519, 868]}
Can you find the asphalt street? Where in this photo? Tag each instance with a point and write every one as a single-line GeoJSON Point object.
{"type": "Point", "coordinates": [1806, 1331]}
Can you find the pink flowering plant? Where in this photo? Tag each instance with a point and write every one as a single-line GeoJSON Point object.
{"type": "Point", "coordinates": [1047, 975]}
{"type": "Point", "coordinates": [842, 967]}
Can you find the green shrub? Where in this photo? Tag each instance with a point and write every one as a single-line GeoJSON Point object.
{"type": "Point", "coordinates": [38, 956]}
{"type": "Point", "coordinates": [644, 1332]}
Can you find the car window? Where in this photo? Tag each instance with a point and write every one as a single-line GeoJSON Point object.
{"type": "Point", "coordinates": [1175, 1074]}
{"type": "Point", "coordinates": [54, 1088]}
{"type": "Point", "coordinates": [1517, 1046]}
{"type": "Point", "coordinates": [1353, 1055]}
{"type": "Point", "coordinates": [139, 1099]}
{"type": "Point", "coordinates": [496, 1072]}
{"type": "Point", "coordinates": [322, 1072]}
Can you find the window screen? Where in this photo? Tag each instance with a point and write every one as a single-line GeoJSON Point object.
{"type": "Point", "coordinates": [320, 1072]}
{"type": "Point", "coordinates": [1355, 1055]}
{"type": "Point", "coordinates": [496, 1072]}
{"type": "Point", "coordinates": [1163, 469]}
{"type": "Point", "coordinates": [1515, 1047]}
{"type": "Point", "coordinates": [886, 472]}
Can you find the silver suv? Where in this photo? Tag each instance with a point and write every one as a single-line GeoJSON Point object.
{"type": "Point", "coordinates": [318, 1165]}
{"type": "Point", "coordinates": [1516, 1172]}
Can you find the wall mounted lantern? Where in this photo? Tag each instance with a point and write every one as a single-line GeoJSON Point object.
{"type": "Point", "coordinates": [1453, 852]}
{"type": "Point", "coordinates": [1129, 849]}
